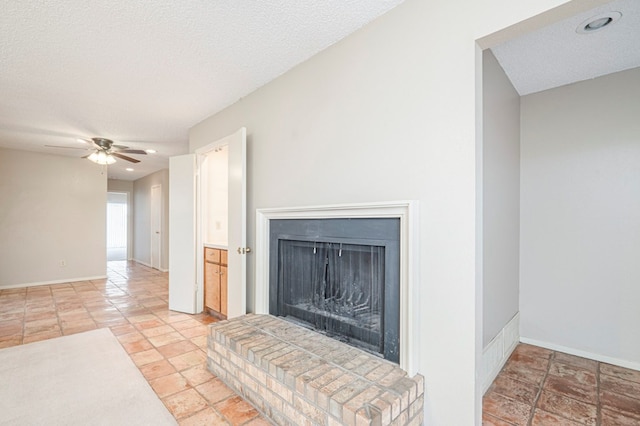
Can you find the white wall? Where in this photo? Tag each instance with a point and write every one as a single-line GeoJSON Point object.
{"type": "Point", "coordinates": [142, 218]}
{"type": "Point", "coordinates": [501, 198]}
{"type": "Point", "coordinates": [52, 209]}
{"type": "Point", "coordinates": [390, 113]}
{"type": "Point", "coordinates": [215, 180]}
{"type": "Point", "coordinates": [580, 233]}
{"type": "Point", "coordinates": [125, 186]}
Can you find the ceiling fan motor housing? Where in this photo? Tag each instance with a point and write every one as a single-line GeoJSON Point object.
{"type": "Point", "coordinates": [103, 143]}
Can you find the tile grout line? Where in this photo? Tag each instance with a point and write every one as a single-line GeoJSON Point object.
{"type": "Point", "coordinates": [598, 402]}
{"type": "Point", "coordinates": [544, 379]}
{"type": "Point", "coordinates": [24, 318]}
{"type": "Point", "coordinates": [55, 305]}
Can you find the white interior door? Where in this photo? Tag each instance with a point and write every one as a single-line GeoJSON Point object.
{"type": "Point", "coordinates": [238, 250]}
{"type": "Point", "coordinates": [237, 224]}
{"type": "Point", "coordinates": [156, 226]}
{"type": "Point", "coordinates": [182, 234]}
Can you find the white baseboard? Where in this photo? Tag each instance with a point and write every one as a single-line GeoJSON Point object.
{"type": "Point", "coordinates": [497, 352]}
{"type": "Point", "coordinates": [584, 354]}
{"type": "Point", "coordinates": [142, 263]}
{"type": "Point", "coordinates": [67, 280]}
{"type": "Point", "coordinates": [149, 265]}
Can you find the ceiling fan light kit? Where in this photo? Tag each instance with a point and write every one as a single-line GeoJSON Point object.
{"type": "Point", "coordinates": [101, 157]}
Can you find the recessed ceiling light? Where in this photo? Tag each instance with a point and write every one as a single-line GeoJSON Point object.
{"type": "Point", "coordinates": [598, 22]}
{"type": "Point", "coordinates": [150, 151]}
{"type": "Point", "coordinates": [129, 169]}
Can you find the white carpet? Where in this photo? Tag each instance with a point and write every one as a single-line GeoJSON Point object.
{"type": "Point", "coordinates": [82, 379]}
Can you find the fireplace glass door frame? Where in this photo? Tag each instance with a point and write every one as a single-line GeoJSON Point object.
{"type": "Point", "coordinates": [333, 238]}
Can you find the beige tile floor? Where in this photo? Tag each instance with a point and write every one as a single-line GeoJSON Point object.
{"type": "Point", "coordinates": [541, 387]}
{"type": "Point", "coordinates": [536, 386]}
{"type": "Point", "coordinates": [168, 347]}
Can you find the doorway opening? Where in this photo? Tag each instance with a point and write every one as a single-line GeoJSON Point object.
{"type": "Point", "coordinates": [575, 163]}
{"type": "Point", "coordinates": [190, 246]}
{"type": "Point", "coordinates": [117, 226]}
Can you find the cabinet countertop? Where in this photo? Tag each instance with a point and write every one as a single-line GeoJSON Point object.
{"type": "Point", "coordinates": [215, 246]}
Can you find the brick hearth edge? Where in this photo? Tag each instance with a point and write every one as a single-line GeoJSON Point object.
{"type": "Point", "coordinates": [296, 376]}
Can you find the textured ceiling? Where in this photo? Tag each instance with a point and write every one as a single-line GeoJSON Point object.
{"type": "Point", "coordinates": [557, 55]}
{"type": "Point", "coordinates": [143, 72]}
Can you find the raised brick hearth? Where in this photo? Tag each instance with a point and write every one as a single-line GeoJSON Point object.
{"type": "Point", "coordinates": [296, 376]}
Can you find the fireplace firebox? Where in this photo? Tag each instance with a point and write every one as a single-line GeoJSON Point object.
{"type": "Point", "coordinates": [339, 277]}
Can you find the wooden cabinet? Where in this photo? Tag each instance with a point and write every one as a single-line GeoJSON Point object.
{"type": "Point", "coordinates": [215, 281]}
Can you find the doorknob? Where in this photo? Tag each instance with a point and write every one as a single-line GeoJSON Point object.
{"type": "Point", "coordinates": [244, 250]}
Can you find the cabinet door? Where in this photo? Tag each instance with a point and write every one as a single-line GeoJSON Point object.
{"type": "Point", "coordinates": [223, 290]}
{"type": "Point", "coordinates": [211, 255]}
{"type": "Point", "coordinates": [212, 286]}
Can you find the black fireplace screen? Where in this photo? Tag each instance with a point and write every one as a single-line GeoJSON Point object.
{"type": "Point", "coordinates": [338, 288]}
{"type": "Point", "coordinates": [346, 288]}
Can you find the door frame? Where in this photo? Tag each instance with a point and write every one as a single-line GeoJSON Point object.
{"type": "Point", "coordinates": [157, 211]}
{"type": "Point", "coordinates": [200, 228]}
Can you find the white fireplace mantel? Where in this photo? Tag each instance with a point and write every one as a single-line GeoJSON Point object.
{"type": "Point", "coordinates": [406, 211]}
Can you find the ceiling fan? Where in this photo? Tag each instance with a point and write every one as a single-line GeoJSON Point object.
{"type": "Point", "coordinates": [105, 151]}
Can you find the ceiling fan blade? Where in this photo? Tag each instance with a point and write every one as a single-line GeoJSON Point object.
{"type": "Point", "coordinates": [68, 147]}
{"type": "Point", "coordinates": [119, 147]}
{"type": "Point", "coordinates": [124, 157]}
{"type": "Point", "coordinates": [133, 151]}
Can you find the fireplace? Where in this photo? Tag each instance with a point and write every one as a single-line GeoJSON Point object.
{"type": "Point", "coordinates": [406, 211]}
{"type": "Point", "coordinates": [340, 277]}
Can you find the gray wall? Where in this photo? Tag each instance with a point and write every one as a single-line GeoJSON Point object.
{"type": "Point", "coordinates": [117, 185]}
{"type": "Point", "coordinates": [580, 233]}
{"type": "Point", "coordinates": [500, 198]}
{"type": "Point", "coordinates": [52, 209]}
{"type": "Point", "coordinates": [142, 217]}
